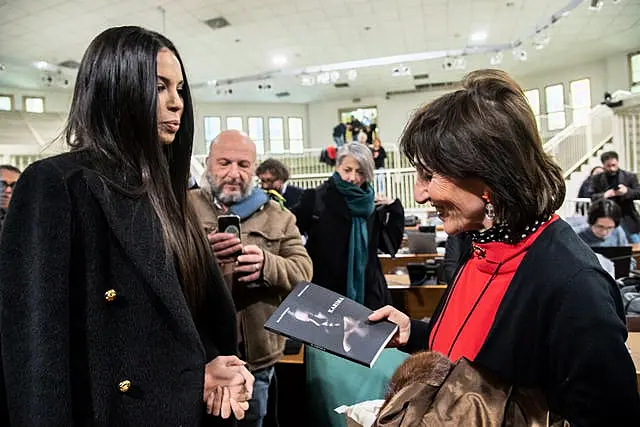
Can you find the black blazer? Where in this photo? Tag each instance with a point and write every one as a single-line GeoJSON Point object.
{"type": "Point", "coordinates": [328, 227]}
{"type": "Point", "coordinates": [292, 196]}
{"type": "Point", "coordinates": [559, 328]}
{"type": "Point", "coordinates": [630, 221]}
{"type": "Point", "coordinates": [70, 240]}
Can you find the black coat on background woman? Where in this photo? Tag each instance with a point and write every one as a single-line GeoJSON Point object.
{"type": "Point", "coordinates": [323, 216]}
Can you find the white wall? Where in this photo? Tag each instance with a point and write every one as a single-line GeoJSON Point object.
{"type": "Point", "coordinates": [264, 110]}
{"type": "Point", "coordinates": [55, 101]}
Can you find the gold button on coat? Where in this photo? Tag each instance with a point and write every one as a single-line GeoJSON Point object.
{"type": "Point", "coordinates": [110, 295]}
{"type": "Point", "coordinates": [124, 386]}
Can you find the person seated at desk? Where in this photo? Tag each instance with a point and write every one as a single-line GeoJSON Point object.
{"type": "Point", "coordinates": [346, 225]}
{"type": "Point", "coordinates": [604, 225]}
{"type": "Point", "coordinates": [530, 302]}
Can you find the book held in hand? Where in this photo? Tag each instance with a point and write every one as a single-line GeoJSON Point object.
{"type": "Point", "coordinates": [331, 322]}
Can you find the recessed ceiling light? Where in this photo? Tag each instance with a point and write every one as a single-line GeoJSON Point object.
{"type": "Point", "coordinates": [279, 60]}
{"type": "Point", "coordinates": [479, 36]}
{"type": "Point", "coordinates": [367, 28]}
{"type": "Point", "coordinates": [41, 65]}
{"type": "Point", "coordinates": [237, 40]}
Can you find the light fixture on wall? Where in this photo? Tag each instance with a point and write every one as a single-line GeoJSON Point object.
{"type": "Point", "coordinates": [496, 58]}
{"type": "Point", "coordinates": [400, 71]}
{"type": "Point", "coordinates": [454, 63]}
{"type": "Point", "coordinates": [541, 39]}
{"type": "Point", "coordinates": [596, 5]}
{"type": "Point", "coordinates": [520, 54]}
{"type": "Point", "coordinates": [307, 80]}
{"type": "Point", "coordinates": [323, 78]}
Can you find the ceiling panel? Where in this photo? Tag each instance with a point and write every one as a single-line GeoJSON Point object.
{"type": "Point", "coordinates": [312, 33]}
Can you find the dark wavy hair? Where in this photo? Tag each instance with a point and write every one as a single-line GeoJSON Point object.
{"type": "Point", "coordinates": [487, 131]}
{"type": "Point", "coordinates": [275, 167]}
{"type": "Point", "coordinates": [603, 208]}
{"type": "Point", "coordinates": [114, 116]}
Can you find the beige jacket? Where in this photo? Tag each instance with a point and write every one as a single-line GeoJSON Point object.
{"type": "Point", "coordinates": [286, 263]}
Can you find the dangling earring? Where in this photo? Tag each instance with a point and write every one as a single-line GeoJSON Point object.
{"type": "Point", "coordinates": [489, 209]}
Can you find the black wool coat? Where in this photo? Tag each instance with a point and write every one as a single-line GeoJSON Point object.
{"type": "Point", "coordinates": [88, 301]}
{"type": "Point", "coordinates": [322, 214]}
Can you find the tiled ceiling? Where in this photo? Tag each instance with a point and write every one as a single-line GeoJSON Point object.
{"type": "Point", "coordinates": [311, 33]}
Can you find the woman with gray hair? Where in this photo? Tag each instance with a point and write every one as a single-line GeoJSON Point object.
{"type": "Point", "coordinates": [345, 226]}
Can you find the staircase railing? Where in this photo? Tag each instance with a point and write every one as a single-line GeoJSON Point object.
{"type": "Point", "coordinates": [573, 146]}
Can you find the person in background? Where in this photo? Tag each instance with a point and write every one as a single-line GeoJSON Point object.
{"type": "Point", "coordinates": [362, 138]}
{"type": "Point", "coordinates": [273, 175]}
{"type": "Point", "coordinates": [346, 225]}
{"type": "Point", "coordinates": [379, 157]}
{"type": "Point", "coordinates": [356, 127]}
{"type": "Point", "coordinates": [604, 225]}
{"type": "Point", "coordinates": [530, 303]}
{"type": "Point", "coordinates": [114, 312]}
{"type": "Point", "coordinates": [273, 259]}
{"type": "Point", "coordinates": [8, 178]}
{"type": "Point", "coordinates": [586, 188]}
{"type": "Point", "coordinates": [339, 132]}
{"type": "Point", "coordinates": [622, 187]}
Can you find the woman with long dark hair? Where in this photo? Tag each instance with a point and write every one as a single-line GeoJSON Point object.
{"type": "Point", "coordinates": [112, 309]}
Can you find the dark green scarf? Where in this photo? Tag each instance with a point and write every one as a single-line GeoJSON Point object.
{"type": "Point", "coordinates": [360, 204]}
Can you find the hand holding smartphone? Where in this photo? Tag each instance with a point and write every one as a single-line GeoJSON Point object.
{"type": "Point", "coordinates": [226, 242]}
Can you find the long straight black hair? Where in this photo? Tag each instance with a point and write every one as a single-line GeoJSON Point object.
{"type": "Point", "coordinates": [114, 116]}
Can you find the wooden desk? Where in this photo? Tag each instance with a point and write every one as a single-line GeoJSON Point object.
{"type": "Point", "coordinates": [296, 359]}
{"type": "Point", "coordinates": [633, 341]}
{"type": "Point", "coordinates": [389, 264]}
{"type": "Point", "coordinates": [417, 301]}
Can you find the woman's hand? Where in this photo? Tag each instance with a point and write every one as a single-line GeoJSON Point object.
{"type": "Point", "coordinates": [228, 385]}
{"type": "Point", "coordinates": [394, 315]}
{"type": "Point", "coordinates": [221, 402]}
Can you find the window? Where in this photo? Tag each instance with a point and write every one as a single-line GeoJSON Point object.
{"type": "Point", "coordinates": [634, 65]}
{"type": "Point", "coordinates": [234, 123]}
{"type": "Point", "coordinates": [580, 100]}
{"type": "Point", "coordinates": [34, 104]}
{"type": "Point", "coordinates": [296, 139]}
{"type": "Point", "coordinates": [555, 107]}
{"type": "Point", "coordinates": [276, 135]}
{"type": "Point", "coordinates": [533, 96]}
{"type": "Point", "coordinates": [256, 132]}
{"type": "Point", "coordinates": [212, 128]}
{"type": "Point", "coordinates": [6, 102]}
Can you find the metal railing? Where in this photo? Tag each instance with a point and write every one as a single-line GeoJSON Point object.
{"type": "Point", "coordinates": [575, 144]}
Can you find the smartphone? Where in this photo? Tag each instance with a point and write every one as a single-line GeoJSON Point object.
{"type": "Point", "coordinates": [230, 224]}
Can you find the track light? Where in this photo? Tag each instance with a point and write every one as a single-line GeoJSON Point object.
{"type": "Point", "coordinates": [496, 59]}
{"type": "Point", "coordinates": [307, 80]}
{"type": "Point", "coordinates": [520, 54]}
{"type": "Point", "coordinates": [541, 40]}
{"type": "Point", "coordinates": [596, 5]}
{"type": "Point", "coordinates": [400, 71]}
